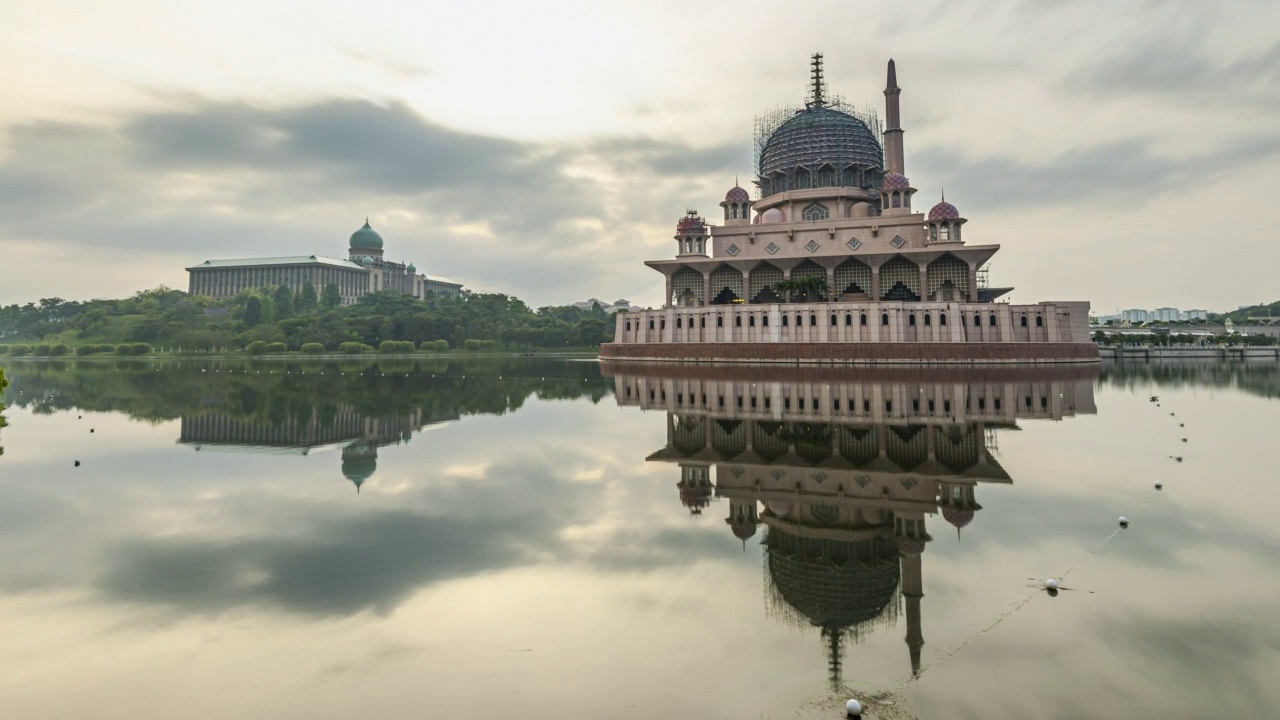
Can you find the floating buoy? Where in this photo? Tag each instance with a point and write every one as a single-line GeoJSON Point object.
{"type": "Point", "coordinates": [1159, 485]}
{"type": "Point", "coordinates": [1124, 521]}
{"type": "Point", "coordinates": [1051, 583]}
{"type": "Point", "coordinates": [77, 463]}
{"type": "Point", "coordinates": [1184, 439]}
{"type": "Point", "coordinates": [853, 708]}
{"type": "Point", "coordinates": [90, 429]}
{"type": "Point", "coordinates": [1182, 425]}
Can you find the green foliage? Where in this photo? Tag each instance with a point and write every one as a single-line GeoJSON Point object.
{"type": "Point", "coordinates": [257, 347]}
{"type": "Point", "coordinates": [133, 349]}
{"type": "Point", "coordinates": [305, 303]}
{"type": "Point", "coordinates": [473, 344]}
{"type": "Point", "coordinates": [332, 296]}
{"type": "Point", "coordinates": [436, 345]}
{"type": "Point", "coordinates": [4, 349]}
{"type": "Point", "coordinates": [284, 303]}
{"type": "Point", "coordinates": [19, 349]}
{"type": "Point", "coordinates": [277, 347]}
{"type": "Point", "coordinates": [396, 346]}
{"type": "Point", "coordinates": [252, 311]}
{"type": "Point", "coordinates": [354, 347]}
{"type": "Point", "coordinates": [312, 348]}
{"type": "Point", "coordinates": [41, 349]}
{"type": "Point", "coordinates": [59, 349]}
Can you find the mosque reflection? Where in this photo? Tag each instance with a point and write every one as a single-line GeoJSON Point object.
{"type": "Point", "coordinates": [323, 427]}
{"type": "Point", "coordinates": [844, 469]}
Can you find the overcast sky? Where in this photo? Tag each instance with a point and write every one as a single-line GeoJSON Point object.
{"type": "Point", "coordinates": [1123, 153]}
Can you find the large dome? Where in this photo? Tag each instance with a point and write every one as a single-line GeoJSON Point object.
{"type": "Point", "coordinates": [366, 237]}
{"type": "Point", "coordinates": [818, 135]}
{"type": "Point", "coordinates": [827, 583]}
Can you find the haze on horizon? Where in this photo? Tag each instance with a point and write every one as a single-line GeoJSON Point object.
{"type": "Point", "coordinates": [1119, 154]}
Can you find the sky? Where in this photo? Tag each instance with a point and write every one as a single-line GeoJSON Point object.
{"type": "Point", "coordinates": [1120, 153]}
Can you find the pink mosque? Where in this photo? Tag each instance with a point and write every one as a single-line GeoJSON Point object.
{"type": "Point", "coordinates": [832, 263]}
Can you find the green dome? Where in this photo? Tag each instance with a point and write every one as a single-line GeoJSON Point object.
{"type": "Point", "coordinates": [366, 237]}
{"type": "Point", "coordinates": [366, 261]}
{"type": "Point", "coordinates": [411, 269]}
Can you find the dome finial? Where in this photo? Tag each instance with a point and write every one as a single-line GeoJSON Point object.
{"type": "Point", "coordinates": [818, 85]}
{"type": "Point", "coordinates": [944, 194]}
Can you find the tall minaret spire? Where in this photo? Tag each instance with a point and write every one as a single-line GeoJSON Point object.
{"type": "Point", "coordinates": [817, 98]}
{"type": "Point", "coordinates": [893, 123]}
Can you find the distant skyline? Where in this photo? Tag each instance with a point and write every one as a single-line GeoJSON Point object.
{"type": "Point", "coordinates": [1124, 154]}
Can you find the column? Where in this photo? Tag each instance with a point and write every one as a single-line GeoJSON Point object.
{"type": "Point", "coordinates": [706, 287]}
{"type": "Point", "coordinates": [666, 299]}
{"type": "Point", "coordinates": [875, 284]}
{"type": "Point", "coordinates": [833, 293]}
{"type": "Point", "coordinates": [924, 283]}
{"type": "Point", "coordinates": [973, 283]}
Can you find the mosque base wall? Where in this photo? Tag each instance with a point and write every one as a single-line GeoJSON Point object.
{"type": "Point", "coordinates": [914, 353]}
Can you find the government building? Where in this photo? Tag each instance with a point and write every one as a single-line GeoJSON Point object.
{"type": "Point", "coordinates": [831, 262]}
{"type": "Point", "coordinates": [364, 271]}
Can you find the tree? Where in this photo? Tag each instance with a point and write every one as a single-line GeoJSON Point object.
{"type": "Point", "coordinates": [332, 298]}
{"type": "Point", "coordinates": [3, 384]}
{"type": "Point", "coordinates": [253, 311]}
{"type": "Point", "coordinates": [284, 302]}
{"type": "Point", "coordinates": [305, 303]}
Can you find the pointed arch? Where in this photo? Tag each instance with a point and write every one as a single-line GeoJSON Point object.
{"type": "Point", "coordinates": [726, 285]}
{"type": "Point", "coordinates": [900, 280]}
{"type": "Point", "coordinates": [853, 280]}
{"type": "Point", "coordinates": [761, 281]}
{"type": "Point", "coordinates": [948, 279]}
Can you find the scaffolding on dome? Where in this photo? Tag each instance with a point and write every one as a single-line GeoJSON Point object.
{"type": "Point", "coordinates": [769, 121]}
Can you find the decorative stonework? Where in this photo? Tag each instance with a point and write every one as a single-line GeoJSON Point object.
{"type": "Point", "coordinates": [737, 471]}
{"type": "Point", "coordinates": [854, 243]}
{"type": "Point", "coordinates": [771, 248]}
{"type": "Point", "coordinates": [733, 249]}
{"type": "Point", "coordinates": [862, 480]}
{"type": "Point", "coordinates": [812, 246]}
{"type": "Point", "coordinates": [897, 241]}
{"type": "Point", "coordinates": [907, 482]}
{"type": "Point", "coordinates": [819, 476]}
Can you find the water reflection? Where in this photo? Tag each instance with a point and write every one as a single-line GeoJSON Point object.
{"type": "Point", "coordinates": [844, 470]}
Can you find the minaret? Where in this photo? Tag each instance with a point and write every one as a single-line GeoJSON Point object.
{"type": "Point", "coordinates": [912, 591]}
{"type": "Point", "coordinates": [893, 123]}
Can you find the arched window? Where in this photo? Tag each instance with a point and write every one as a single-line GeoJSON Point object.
{"type": "Point", "coordinates": [911, 319]}
{"type": "Point", "coordinates": [751, 321]}
{"type": "Point", "coordinates": [784, 321]}
{"type": "Point", "coordinates": [737, 321]}
{"type": "Point", "coordinates": [702, 321]}
{"type": "Point", "coordinates": [650, 323]}
{"type": "Point", "coordinates": [933, 233]}
{"type": "Point", "coordinates": [799, 320]}
{"type": "Point", "coordinates": [897, 198]}
{"type": "Point", "coordinates": [977, 320]}
{"type": "Point", "coordinates": [1024, 321]}
{"type": "Point", "coordinates": [764, 321]}
{"type": "Point", "coordinates": [1039, 321]}
{"type": "Point", "coordinates": [862, 319]}
{"type": "Point", "coordinates": [927, 319]}
{"type": "Point", "coordinates": [701, 251]}
{"type": "Point", "coordinates": [884, 319]}
{"type": "Point", "coordinates": [662, 324]}
{"type": "Point", "coordinates": [942, 319]}
{"type": "Point", "coordinates": [833, 320]}
{"type": "Point", "coordinates": [815, 211]}
{"type": "Point", "coordinates": [813, 319]}
{"type": "Point", "coordinates": [628, 325]}
{"type": "Point", "coordinates": [993, 320]}
{"type": "Point", "coordinates": [955, 233]}
{"type": "Point", "coordinates": [735, 211]}
{"type": "Point", "coordinates": [679, 323]}
{"type": "Point", "coordinates": [688, 245]}
{"type": "Point", "coordinates": [848, 318]}
{"type": "Point", "coordinates": [945, 235]}
{"type": "Point", "coordinates": [719, 321]}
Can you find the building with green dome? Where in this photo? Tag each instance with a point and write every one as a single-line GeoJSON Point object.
{"type": "Point", "coordinates": [364, 270]}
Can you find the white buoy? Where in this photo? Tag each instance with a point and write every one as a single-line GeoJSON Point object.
{"type": "Point", "coordinates": [1124, 521]}
{"type": "Point", "coordinates": [1051, 583]}
{"type": "Point", "coordinates": [854, 708]}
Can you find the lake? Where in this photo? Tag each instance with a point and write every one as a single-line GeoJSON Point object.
{"type": "Point", "coordinates": [554, 538]}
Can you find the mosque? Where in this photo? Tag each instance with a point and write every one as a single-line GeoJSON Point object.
{"type": "Point", "coordinates": [364, 271]}
{"type": "Point", "coordinates": [832, 263]}
{"type": "Point", "coordinates": [844, 475]}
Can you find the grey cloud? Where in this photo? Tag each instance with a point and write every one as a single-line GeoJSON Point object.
{"type": "Point", "coordinates": [666, 158]}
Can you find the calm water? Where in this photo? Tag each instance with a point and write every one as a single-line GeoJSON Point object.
{"type": "Point", "coordinates": [468, 539]}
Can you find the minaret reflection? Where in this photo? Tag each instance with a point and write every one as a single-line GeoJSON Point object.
{"type": "Point", "coordinates": [843, 468]}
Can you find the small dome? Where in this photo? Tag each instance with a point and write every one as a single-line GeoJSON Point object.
{"type": "Point", "coordinates": [958, 516]}
{"type": "Point", "coordinates": [691, 224]}
{"type": "Point", "coordinates": [772, 215]}
{"type": "Point", "coordinates": [780, 508]}
{"type": "Point", "coordinates": [411, 269]}
{"type": "Point", "coordinates": [366, 261]}
{"type": "Point", "coordinates": [737, 195]}
{"type": "Point", "coordinates": [895, 181]}
{"type": "Point", "coordinates": [742, 531]}
{"type": "Point", "coordinates": [366, 237]}
{"type": "Point", "coordinates": [910, 547]}
{"type": "Point", "coordinates": [944, 211]}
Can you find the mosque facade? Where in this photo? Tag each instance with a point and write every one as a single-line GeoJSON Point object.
{"type": "Point", "coordinates": [831, 262]}
{"type": "Point", "coordinates": [364, 271]}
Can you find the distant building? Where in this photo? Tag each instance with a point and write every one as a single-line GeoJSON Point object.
{"type": "Point", "coordinates": [364, 271]}
{"type": "Point", "coordinates": [609, 308]}
{"type": "Point", "coordinates": [1135, 315]}
{"type": "Point", "coordinates": [1196, 315]}
{"type": "Point", "coordinates": [1166, 314]}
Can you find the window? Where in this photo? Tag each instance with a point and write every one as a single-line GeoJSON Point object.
{"type": "Point", "coordinates": [650, 323]}
{"type": "Point", "coordinates": [933, 233]}
{"type": "Point", "coordinates": [799, 320]}
{"type": "Point", "coordinates": [977, 320]}
{"type": "Point", "coordinates": [848, 318]}
{"type": "Point", "coordinates": [944, 236]}
{"type": "Point", "coordinates": [897, 199]}
{"type": "Point", "coordinates": [884, 319]}
{"type": "Point", "coordinates": [833, 320]}
{"type": "Point", "coordinates": [1039, 321]}
{"type": "Point", "coordinates": [719, 321]}
{"type": "Point", "coordinates": [942, 318]}
{"type": "Point", "coordinates": [679, 324]}
{"type": "Point", "coordinates": [814, 212]}
{"type": "Point", "coordinates": [662, 324]}
{"type": "Point", "coordinates": [813, 319]}
{"type": "Point", "coordinates": [862, 319]}
{"type": "Point", "coordinates": [835, 404]}
{"type": "Point", "coordinates": [628, 325]}
{"type": "Point", "coordinates": [737, 321]}
{"type": "Point", "coordinates": [911, 319]}
{"type": "Point", "coordinates": [751, 321]}
{"type": "Point", "coordinates": [927, 319]}
{"type": "Point", "coordinates": [993, 320]}
{"type": "Point", "coordinates": [1024, 321]}
{"type": "Point", "coordinates": [982, 403]}
{"type": "Point", "coordinates": [784, 321]}
{"type": "Point", "coordinates": [702, 321]}
{"type": "Point", "coordinates": [946, 406]}
{"type": "Point", "coordinates": [866, 406]}
{"type": "Point", "coordinates": [764, 320]}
